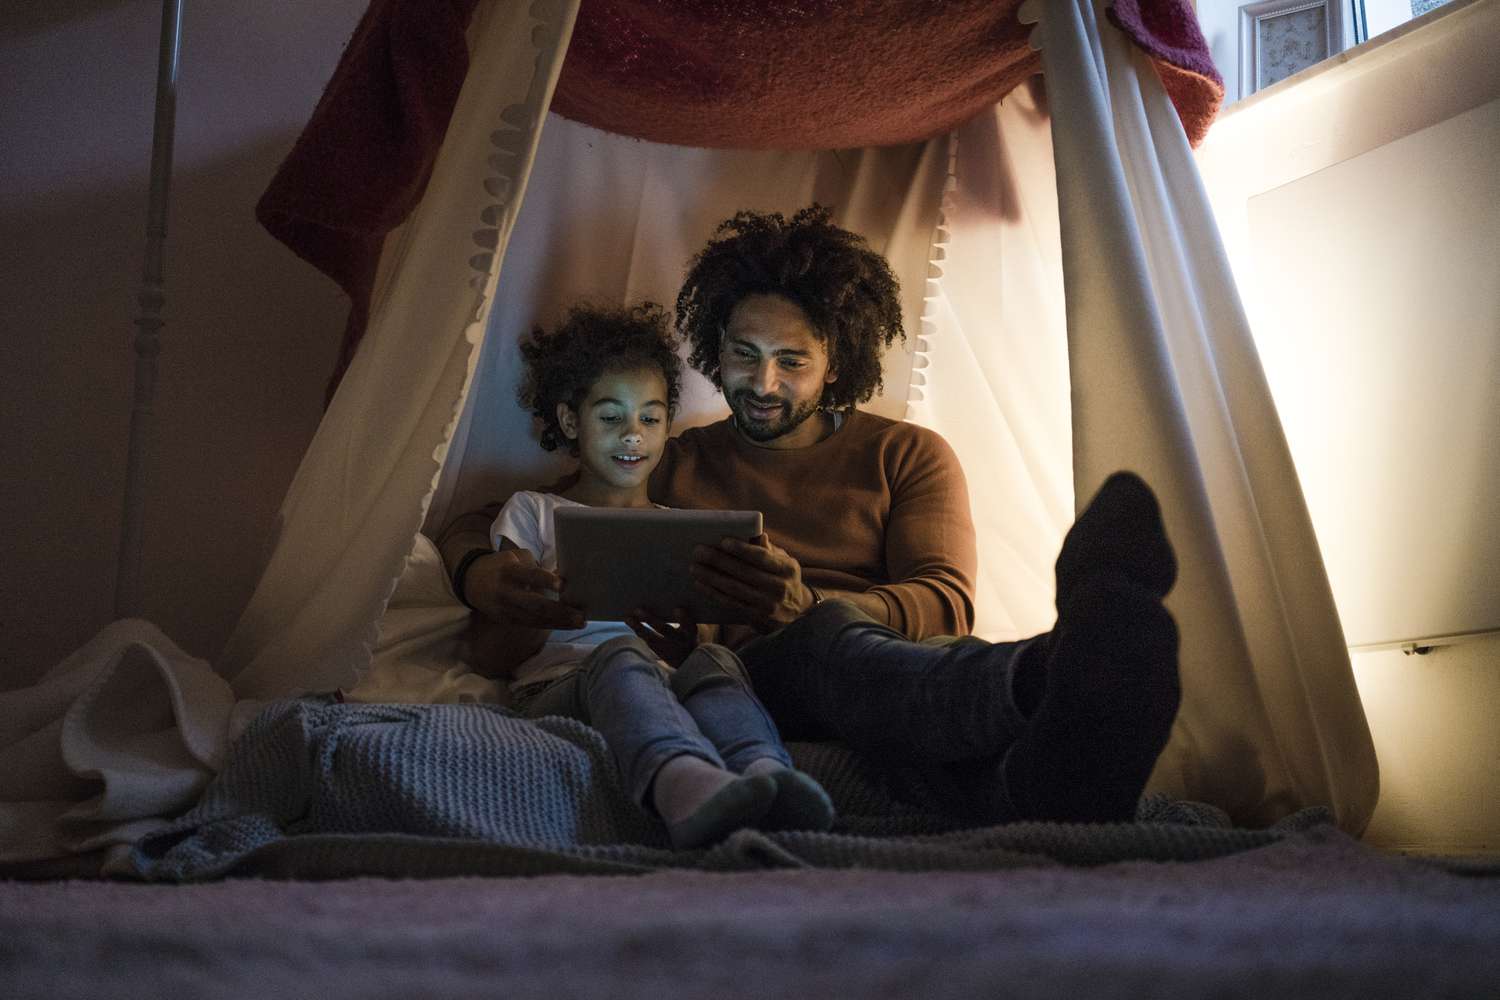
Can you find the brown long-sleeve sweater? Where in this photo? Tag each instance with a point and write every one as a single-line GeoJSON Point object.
{"type": "Point", "coordinates": [879, 506]}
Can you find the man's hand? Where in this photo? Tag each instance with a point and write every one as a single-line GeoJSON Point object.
{"type": "Point", "coordinates": [755, 577]}
{"type": "Point", "coordinates": [509, 587]}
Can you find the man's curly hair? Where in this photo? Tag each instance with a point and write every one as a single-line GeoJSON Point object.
{"type": "Point", "coordinates": [592, 341]}
{"type": "Point", "coordinates": [846, 289]}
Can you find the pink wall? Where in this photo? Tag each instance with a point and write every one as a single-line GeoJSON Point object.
{"type": "Point", "coordinates": [251, 331]}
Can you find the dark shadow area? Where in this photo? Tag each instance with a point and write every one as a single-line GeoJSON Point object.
{"type": "Point", "coordinates": [251, 334]}
{"type": "Point", "coordinates": [29, 18]}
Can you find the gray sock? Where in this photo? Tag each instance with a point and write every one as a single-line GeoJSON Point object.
{"type": "Point", "coordinates": [740, 803]}
{"type": "Point", "coordinates": [801, 803]}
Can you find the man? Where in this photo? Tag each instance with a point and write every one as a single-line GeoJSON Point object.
{"type": "Point", "coordinates": [869, 546]}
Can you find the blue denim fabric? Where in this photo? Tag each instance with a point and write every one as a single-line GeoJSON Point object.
{"type": "Point", "coordinates": [623, 690]}
{"type": "Point", "coordinates": [714, 687]}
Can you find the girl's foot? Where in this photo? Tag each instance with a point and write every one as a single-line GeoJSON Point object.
{"type": "Point", "coordinates": [702, 804]}
{"type": "Point", "coordinates": [801, 803]}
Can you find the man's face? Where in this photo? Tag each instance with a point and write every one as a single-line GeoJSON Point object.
{"type": "Point", "coordinates": [774, 368]}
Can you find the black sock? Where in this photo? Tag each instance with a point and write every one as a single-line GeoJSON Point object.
{"type": "Point", "coordinates": [1112, 692]}
{"type": "Point", "coordinates": [1119, 531]}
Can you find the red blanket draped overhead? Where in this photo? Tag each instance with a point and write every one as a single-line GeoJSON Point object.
{"type": "Point", "coordinates": [774, 74]}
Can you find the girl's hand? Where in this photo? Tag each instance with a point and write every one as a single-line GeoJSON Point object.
{"type": "Point", "coordinates": [509, 588]}
{"type": "Point", "coordinates": [670, 642]}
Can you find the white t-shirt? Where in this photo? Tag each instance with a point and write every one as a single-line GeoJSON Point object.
{"type": "Point", "coordinates": [526, 519]}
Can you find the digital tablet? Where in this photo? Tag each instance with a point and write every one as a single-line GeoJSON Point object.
{"type": "Point", "coordinates": [615, 560]}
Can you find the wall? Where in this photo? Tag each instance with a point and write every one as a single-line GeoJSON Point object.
{"type": "Point", "coordinates": [1432, 717]}
{"type": "Point", "coordinates": [251, 331]}
{"type": "Point", "coordinates": [1374, 288]}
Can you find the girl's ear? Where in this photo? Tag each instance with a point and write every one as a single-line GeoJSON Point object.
{"type": "Point", "coordinates": [567, 419]}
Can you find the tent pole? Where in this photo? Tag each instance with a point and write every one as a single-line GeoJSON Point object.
{"type": "Point", "coordinates": [149, 322]}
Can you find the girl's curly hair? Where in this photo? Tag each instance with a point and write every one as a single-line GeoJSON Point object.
{"type": "Point", "coordinates": [563, 365]}
{"type": "Point", "coordinates": [846, 289]}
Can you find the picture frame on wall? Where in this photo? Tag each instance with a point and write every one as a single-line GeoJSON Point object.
{"type": "Point", "coordinates": [1281, 37]}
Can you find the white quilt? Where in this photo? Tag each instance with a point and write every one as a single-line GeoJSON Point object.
{"type": "Point", "coordinates": [109, 744]}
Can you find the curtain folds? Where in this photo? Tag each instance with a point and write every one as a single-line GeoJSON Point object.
{"type": "Point", "coordinates": [357, 501]}
{"type": "Point", "coordinates": [993, 375]}
{"type": "Point", "coordinates": [1166, 381]}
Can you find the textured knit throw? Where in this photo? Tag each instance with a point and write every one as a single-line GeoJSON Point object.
{"type": "Point", "coordinates": [331, 790]}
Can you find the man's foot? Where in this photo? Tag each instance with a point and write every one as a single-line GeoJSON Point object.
{"type": "Point", "coordinates": [1120, 531]}
{"type": "Point", "coordinates": [801, 803]}
{"type": "Point", "coordinates": [702, 804]}
{"type": "Point", "coordinates": [1112, 692]}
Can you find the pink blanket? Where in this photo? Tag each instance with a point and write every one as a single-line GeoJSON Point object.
{"type": "Point", "coordinates": [777, 74]}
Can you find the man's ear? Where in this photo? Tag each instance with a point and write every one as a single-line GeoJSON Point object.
{"type": "Point", "coordinates": [567, 419]}
{"type": "Point", "coordinates": [831, 377]}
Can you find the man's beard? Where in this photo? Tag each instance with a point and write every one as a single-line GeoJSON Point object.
{"type": "Point", "coordinates": [762, 431]}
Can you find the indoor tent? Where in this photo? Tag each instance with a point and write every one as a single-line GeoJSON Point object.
{"type": "Point", "coordinates": [1070, 312]}
{"type": "Point", "coordinates": [1068, 306]}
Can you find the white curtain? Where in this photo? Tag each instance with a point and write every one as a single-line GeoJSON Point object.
{"type": "Point", "coordinates": [1166, 381]}
{"type": "Point", "coordinates": [992, 367]}
{"type": "Point", "coordinates": [358, 499]}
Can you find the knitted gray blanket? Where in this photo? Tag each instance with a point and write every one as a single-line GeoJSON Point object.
{"type": "Point", "coordinates": [315, 790]}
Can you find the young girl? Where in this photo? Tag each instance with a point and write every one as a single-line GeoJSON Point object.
{"type": "Point", "coordinates": [693, 744]}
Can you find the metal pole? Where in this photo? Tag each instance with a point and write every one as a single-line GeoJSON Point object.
{"type": "Point", "coordinates": [149, 323]}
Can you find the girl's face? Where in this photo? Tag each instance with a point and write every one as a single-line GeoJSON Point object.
{"type": "Point", "coordinates": [620, 427]}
